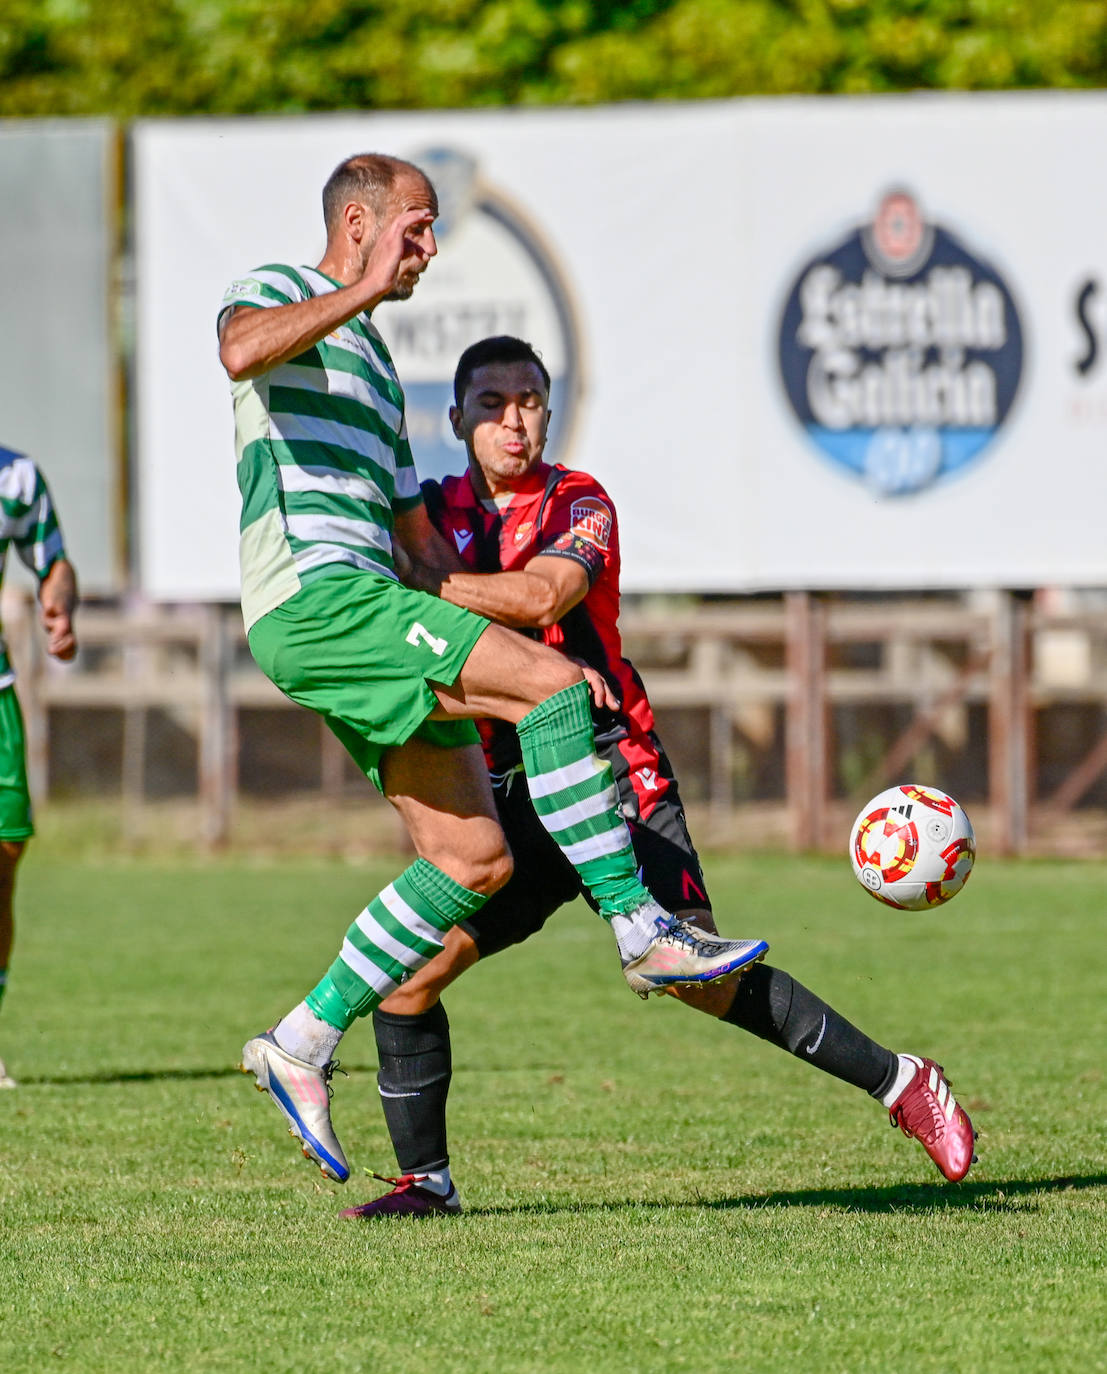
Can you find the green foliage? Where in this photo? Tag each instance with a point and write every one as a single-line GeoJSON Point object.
{"type": "Point", "coordinates": [646, 1190]}
{"type": "Point", "coordinates": [165, 57]}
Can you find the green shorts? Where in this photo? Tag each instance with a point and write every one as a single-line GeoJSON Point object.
{"type": "Point", "coordinates": [361, 650]}
{"type": "Point", "coordinates": [15, 796]}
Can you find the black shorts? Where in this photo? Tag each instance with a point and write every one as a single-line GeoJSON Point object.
{"type": "Point", "coordinates": [545, 880]}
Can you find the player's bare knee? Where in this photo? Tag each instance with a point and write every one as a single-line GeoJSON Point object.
{"type": "Point", "coordinates": [547, 673]}
{"type": "Point", "coordinates": [491, 873]}
{"type": "Point", "coordinates": [484, 872]}
{"type": "Point", "coordinates": [563, 673]}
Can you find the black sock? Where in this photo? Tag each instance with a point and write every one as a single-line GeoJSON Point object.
{"type": "Point", "coordinates": [771, 1004]}
{"type": "Point", "coordinates": [414, 1080]}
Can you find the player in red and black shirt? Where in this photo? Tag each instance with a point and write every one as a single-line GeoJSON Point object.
{"type": "Point", "coordinates": [559, 529]}
{"type": "Point", "coordinates": [540, 546]}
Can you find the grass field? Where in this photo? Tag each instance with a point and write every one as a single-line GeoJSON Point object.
{"type": "Point", "coordinates": [645, 1189]}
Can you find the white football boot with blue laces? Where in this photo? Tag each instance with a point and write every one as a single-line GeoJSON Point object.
{"type": "Point", "coordinates": [302, 1092]}
{"type": "Point", "coordinates": [681, 955]}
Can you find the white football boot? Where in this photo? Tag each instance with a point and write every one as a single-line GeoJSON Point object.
{"type": "Point", "coordinates": [682, 954]}
{"type": "Point", "coordinates": [302, 1092]}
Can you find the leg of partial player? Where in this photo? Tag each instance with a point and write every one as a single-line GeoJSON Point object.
{"type": "Point", "coordinates": [10, 853]}
{"type": "Point", "coordinates": [574, 796]}
{"type": "Point", "coordinates": [413, 1033]}
{"type": "Point", "coordinates": [772, 1005]}
{"type": "Point", "coordinates": [415, 1068]}
{"type": "Point", "coordinates": [445, 798]}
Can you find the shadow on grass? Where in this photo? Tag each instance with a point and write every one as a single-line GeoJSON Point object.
{"type": "Point", "coordinates": [993, 1194]}
{"type": "Point", "coordinates": [977, 1195]}
{"type": "Point", "coordinates": [105, 1076]}
{"type": "Point", "coordinates": [69, 1080]}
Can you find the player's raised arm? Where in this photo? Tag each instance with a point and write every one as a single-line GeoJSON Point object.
{"type": "Point", "coordinates": [368, 263]}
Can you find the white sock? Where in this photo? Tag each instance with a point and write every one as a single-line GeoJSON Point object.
{"type": "Point", "coordinates": [437, 1181]}
{"type": "Point", "coordinates": [908, 1065]}
{"type": "Point", "coordinates": [636, 930]}
{"type": "Point", "coordinates": [303, 1035]}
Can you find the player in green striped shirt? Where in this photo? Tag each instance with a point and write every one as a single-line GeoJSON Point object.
{"type": "Point", "coordinates": [28, 521]}
{"type": "Point", "coordinates": [329, 493]}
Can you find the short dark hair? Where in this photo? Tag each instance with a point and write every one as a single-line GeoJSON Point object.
{"type": "Point", "coordinates": [503, 348]}
{"type": "Point", "coordinates": [368, 177]}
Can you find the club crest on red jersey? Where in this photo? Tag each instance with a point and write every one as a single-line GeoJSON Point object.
{"type": "Point", "coordinates": [591, 518]}
{"type": "Point", "coordinates": [524, 533]}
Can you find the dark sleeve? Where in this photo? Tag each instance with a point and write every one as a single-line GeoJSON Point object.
{"type": "Point", "coordinates": [579, 523]}
{"type": "Point", "coordinates": [435, 503]}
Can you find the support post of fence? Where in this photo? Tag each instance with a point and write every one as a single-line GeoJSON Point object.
{"type": "Point", "coordinates": [806, 728]}
{"type": "Point", "coordinates": [218, 749]}
{"type": "Point", "coordinates": [722, 764]}
{"type": "Point", "coordinates": [136, 673]}
{"type": "Point", "coordinates": [1009, 724]}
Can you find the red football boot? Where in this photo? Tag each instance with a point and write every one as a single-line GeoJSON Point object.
{"type": "Point", "coordinates": [926, 1110]}
{"type": "Point", "coordinates": [407, 1199]}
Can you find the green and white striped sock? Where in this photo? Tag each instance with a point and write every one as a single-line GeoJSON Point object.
{"type": "Point", "coordinates": [397, 933]}
{"type": "Point", "coordinates": [574, 796]}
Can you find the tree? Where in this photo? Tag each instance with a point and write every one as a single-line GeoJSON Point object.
{"type": "Point", "coordinates": [175, 57]}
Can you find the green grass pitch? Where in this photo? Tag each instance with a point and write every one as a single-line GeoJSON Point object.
{"type": "Point", "coordinates": [646, 1189]}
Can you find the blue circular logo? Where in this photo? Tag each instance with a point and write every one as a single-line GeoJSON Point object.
{"type": "Point", "coordinates": [900, 351]}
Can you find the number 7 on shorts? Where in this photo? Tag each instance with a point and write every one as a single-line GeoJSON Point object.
{"type": "Point", "coordinates": [420, 632]}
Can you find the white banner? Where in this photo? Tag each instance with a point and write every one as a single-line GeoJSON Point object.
{"type": "Point", "coordinates": [804, 343]}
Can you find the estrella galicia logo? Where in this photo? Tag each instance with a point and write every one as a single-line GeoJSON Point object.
{"type": "Point", "coordinates": [900, 350]}
{"type": "Point", "coordinates": [494, 275]}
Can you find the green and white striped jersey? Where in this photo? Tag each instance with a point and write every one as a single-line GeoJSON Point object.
{"type": "Point", "coordinates": [324, 461]}
{"type": "Point", "coordinates": [27, 520]}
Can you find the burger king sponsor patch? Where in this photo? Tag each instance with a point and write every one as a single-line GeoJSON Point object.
{"type": "Point", "coordinates": [591, 519]}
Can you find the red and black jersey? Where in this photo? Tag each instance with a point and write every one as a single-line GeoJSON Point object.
{"type": "Point", "coordinates": [564, 514]}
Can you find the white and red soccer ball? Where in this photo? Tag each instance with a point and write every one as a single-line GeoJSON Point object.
{"type": "Point", "coordinates": [912, 847]}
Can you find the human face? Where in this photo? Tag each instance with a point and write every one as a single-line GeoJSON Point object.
{"type": "Point", "coordinates": [502, 420]}
{"type": "Point", "coordinates": [413, 193]}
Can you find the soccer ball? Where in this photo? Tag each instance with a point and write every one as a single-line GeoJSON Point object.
{"type": "Point", "coordinates": [912, 847]}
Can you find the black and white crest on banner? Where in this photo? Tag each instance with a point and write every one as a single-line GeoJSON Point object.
{"type": "Point", "coordinates": [900, 350]}
{"type": "Point", "coordinates": [494, 275]}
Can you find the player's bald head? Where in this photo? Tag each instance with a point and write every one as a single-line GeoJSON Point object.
{"type": "Point", "coordinates": [372, 180]}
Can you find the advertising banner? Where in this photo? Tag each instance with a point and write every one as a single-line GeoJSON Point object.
{"type": "Point", "coordinates": [930, 314]}
{"type": "Point", "coordinates": [803, 343]}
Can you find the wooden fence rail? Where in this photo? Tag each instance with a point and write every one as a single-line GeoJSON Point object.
{"type": "Point", "coordinates": [802, 658]}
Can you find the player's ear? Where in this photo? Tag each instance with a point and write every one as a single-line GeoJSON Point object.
{"type": "Point", "coordinates": [549, 415]}
{"type": "Point", "coordinates": [357, 220]}
{"type": "Point", "coordinates": [455, 423]}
